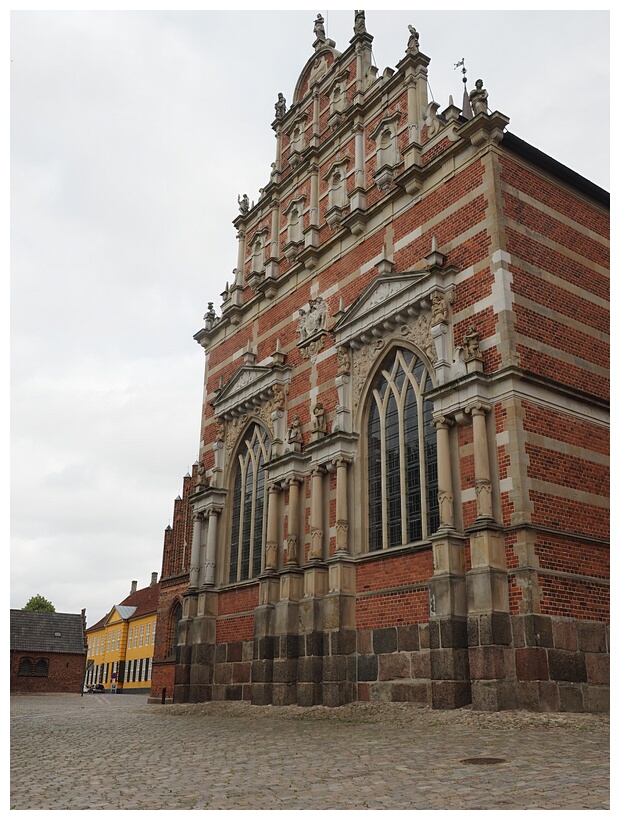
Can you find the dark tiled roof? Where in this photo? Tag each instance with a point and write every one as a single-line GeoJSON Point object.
{"type": "Point", "coordinates": [36, 632]}
{"type": "Point", "coordinates": [145, 600]}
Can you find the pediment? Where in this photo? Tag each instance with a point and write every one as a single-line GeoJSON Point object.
{"type": "Point", "coordinates": [391, 299]}
{"type": "Point", "coordinates": [315, 70]}
{"type": "Point", "coordinates": [250, 386]}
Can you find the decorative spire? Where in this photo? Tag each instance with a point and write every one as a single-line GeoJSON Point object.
{"type": "Point", "coordinates": [467, 112]}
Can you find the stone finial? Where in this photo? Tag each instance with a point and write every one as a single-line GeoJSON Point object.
{"type": "Point", "coordinates": [280, 107]}
{"type": "Point", "coordinates": [249, 357]}
{"type": "Point", "coordinates": [244, 204]}
{"type": "Point", "coordinates": [413, 44]}
{"type": "Point", "coordinates": [435, 258]}
{"type": "Point", "coordinates": [478, 99]}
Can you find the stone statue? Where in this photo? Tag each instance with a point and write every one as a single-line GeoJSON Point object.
{"type": "Point", "coordinates": [439, 309]}
{"type": "Point", "coordinates": [294, 435]}
{"type": "Point", "coordinates": [244, 204]}
{"type": "Point", "coordinates": [209, 317]}
{"type": "Point", "coordinates": [344, 363]}
{"type": "Point", "coordinates": [220, 430]}
{"type": "Point", "coordinates": [471, 343]}
{"type": "Point", "coordinates": [280, 107]}
{"type": "Point", "coordinates": [320, 422]}
{"type": "Point", "coordinates": [413, 44]}
{"type": "Point", "coordinates": [478, 99]}
{"type": "Point", "coordinates": [237, 278]}
{"type": "Point", "coordinates": [278, 398]}
{"type": "Point", "coordinates": [319, 28]}
{"type": "Point", "coordinates": [359, 27]}
{"type": "Point", "coordinates": [201, 476]}
{"type": "Point", "coordinates": [301, 327]}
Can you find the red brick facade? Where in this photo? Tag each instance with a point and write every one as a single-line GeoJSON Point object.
{"type": "Point", "coordinates": [397, 251]}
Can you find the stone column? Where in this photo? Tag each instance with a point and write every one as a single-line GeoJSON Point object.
{"type": "Point", "coordinates": [209, 579]}
{"type": "Point", "coordinates": [481, 461]}
{"type": "Point", "coordinates": [278, 162]}
{"type": "Point", "coordinates": [292, 538]}
{"type": "Point", "coordinates": [194, 567]}
{"type": "Point", "coordinates": [315, 116]}
{"type": "Point", "coordinates": [342, 508]}
{"type": "Point", "coordinates": [447, 593]}
{"type": "Point", "coordinates": [316, 514]}
{"type": "Point", "coordinates": [271, 547]}
{"type": "Point", "coordinates": [489, 628]}
{"type": "Point", "coordinates": [311, 233]}
{"type": "Point", "coordinates": [412, 108]}
{"type": "Point", "coordinates": [241, 251]}
{"type": "Point", "coordinates": [360, 177]}
{"type": "Point", "coordinates": [444, 473]}
{"type": "Point", "coordinates": [274, 253]}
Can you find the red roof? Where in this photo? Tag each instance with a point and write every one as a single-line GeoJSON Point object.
{"type": "Point", "coordinates": [145, 601]}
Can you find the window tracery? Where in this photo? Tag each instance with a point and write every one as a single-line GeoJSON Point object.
{"type": "Point", "coordinates": [401, 454]}
{"type": "Point", "coordinates": [249, 502]}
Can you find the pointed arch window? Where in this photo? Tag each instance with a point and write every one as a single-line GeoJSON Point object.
{"type": "Point", "coordinates": [402, 454]}
{"type": "Point", "coordinates": [249, 520]}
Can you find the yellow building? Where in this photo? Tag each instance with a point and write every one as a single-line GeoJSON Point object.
{"type": "Point", "coordinates": [121, 645]}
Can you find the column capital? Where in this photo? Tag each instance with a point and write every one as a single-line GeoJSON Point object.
{"type": "Point", "coordinates": [342, 461]}
{"type": "Point", "coordinates": [442, 422]}
{"type": "Point", "coordinates": [478, 408]}
{"type": "Point", "coordinates": [274, 487]}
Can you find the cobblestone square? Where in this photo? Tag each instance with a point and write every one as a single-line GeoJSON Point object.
{"type": "Point", "coordinates": [117, 752]}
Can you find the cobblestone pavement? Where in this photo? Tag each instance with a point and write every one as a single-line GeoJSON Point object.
{"type": "Point", "coordinates": [117, 752]}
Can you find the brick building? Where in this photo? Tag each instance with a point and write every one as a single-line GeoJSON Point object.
{"type": "Point", "coordinates": [47, 651]}
{"type": "Point", "coordinates": [402, 490]}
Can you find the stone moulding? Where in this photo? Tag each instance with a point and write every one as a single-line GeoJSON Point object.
{"type": "Point", "coordinates": [249, 388]}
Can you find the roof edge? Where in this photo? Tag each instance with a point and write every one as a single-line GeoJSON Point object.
{"type": "Point", "coordinates": [562, 172]}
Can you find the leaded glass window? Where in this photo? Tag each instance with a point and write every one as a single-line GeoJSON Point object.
{"type": "Point", "coordinates": [402, 454]}
{"type": "Point", "coordinates": [249, 519]}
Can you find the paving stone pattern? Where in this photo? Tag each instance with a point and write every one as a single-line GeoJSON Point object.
{"type": "Point", "coordinates": [117, 752]}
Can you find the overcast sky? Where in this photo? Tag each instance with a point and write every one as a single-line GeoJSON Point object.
{"type": "Point", "coordinates": [131, 135]}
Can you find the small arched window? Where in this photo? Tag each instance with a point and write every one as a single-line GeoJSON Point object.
{"type": "Point", "coordinates": [249, 520]}
{"type": "Point", "coordinates": [402, 454]}
{"type": "Point", "coordinates": [25, 666]}
{"type": "Point", "coordinates": [41, 667]}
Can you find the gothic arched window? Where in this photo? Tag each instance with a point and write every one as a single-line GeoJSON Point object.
{"type": "Point", "coordinates": [402, 454]}
{"type": "Point", "coordinates": [249, 518]}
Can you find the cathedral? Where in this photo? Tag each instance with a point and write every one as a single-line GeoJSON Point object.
{"type": "Point", "coordinates": [402, 492]}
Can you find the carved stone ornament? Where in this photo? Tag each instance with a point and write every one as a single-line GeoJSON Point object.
{"type": "Point", "coordinates": [233, 429]}
{"type": "Point", "coordinates": [471, 343]}
{"type": "Point", "coordinates": [417, 331]}
{"type": "Point", "coordinates": [312, 327]}
{"type": "Point", "coordinates": [439, 309]}
{"type": "Point", "coordinates": [344, 361]}
{"type": "Point", "coordinates": [202, 480]}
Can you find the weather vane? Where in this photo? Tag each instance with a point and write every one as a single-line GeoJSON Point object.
{"type": "Point", "coordinates": [464, 70]}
